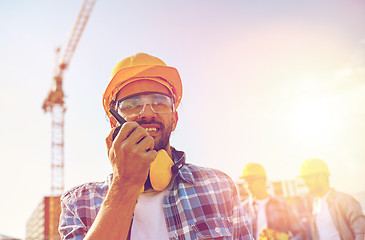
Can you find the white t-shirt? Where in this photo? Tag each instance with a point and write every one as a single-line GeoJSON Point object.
{"type": "Point", "coordinates": [260, 209]}
{"type": "Point", "coordinates": [149, 219]}
{"type": "Point", "coordinates": [325, 227]}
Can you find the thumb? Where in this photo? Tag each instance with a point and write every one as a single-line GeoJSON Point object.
{"type": "Point", "coordinates": [109, 140]}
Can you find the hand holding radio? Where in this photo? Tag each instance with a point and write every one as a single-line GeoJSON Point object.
{"type": "Point", "coordinates": [161, 168]}
{"type": "Point", "coordinates": [131, 152]}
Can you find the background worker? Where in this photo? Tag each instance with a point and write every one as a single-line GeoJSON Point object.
{"type": "Point", "coordinates": [152, 193]}
{"type": "Point", "coordinates": [336, 215]}
{"type": "Point", "coordinates": [271, 217]}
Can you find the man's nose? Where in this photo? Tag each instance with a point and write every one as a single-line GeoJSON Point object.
{"type": "Point", "coordinates": [147, 111]}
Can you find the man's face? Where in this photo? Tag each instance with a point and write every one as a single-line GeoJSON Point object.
{"type": "Point", "coordinates": [255, 185]}
{"type": "Point", "coordinates": [154, 112]}
{"type": "Point", "coordinates": [312, 183]}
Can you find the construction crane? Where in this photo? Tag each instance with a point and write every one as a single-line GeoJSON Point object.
{"type": "Point", "coordinates": [55, 102]}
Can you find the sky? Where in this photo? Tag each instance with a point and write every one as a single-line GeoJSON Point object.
{"type": "Point", "coordinates": [272, 82]}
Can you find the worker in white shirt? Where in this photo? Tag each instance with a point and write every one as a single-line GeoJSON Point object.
{"type": "Point", "coordinates": [336, 215]}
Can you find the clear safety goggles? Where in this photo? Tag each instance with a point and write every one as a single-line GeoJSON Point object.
{"type": "Point", "coordinates": [135, 105]}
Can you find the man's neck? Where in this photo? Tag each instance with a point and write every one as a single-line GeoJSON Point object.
{"type": "Point", "coordinates": [322, 192]}
{"type": "Point", "coordinates": [168, 150]}
{"type": "Point", "coordinates": [261, 195]}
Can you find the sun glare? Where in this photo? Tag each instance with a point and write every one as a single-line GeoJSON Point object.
{"type": "Point", "coordinates": [312, 119]}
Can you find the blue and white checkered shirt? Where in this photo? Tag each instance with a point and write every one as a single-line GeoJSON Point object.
{"type": "Point", "coordinates": [201, 203]}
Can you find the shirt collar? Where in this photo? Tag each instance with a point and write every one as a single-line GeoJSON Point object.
{"type": "Point", "coordinates": [184, 173]}
{"type": "Point", "coordinates": [328, 197]}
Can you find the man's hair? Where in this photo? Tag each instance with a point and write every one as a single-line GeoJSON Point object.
{"type": "Point", "coordinates": [113, 104]}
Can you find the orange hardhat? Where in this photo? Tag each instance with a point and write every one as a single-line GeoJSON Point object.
{"type": "Point", "coordinates": [142, 67]}
{"type": "Point", "coordinates": [313, 166]}
{"type": "Point", "coordinates": [253, 170]}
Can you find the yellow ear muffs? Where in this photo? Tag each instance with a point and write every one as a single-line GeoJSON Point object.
{"type": "Point", "coordinates": [160, 171]}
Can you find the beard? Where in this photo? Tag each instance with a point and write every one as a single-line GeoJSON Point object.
{"type": "Point", "coordinates": [163, 141]}
{"type": "Point", "coordinates": [165, 132]}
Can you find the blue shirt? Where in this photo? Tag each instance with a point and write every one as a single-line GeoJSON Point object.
{"type": "Point", "coordinates": [200, 203]}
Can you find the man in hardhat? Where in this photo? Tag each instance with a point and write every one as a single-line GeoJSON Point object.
{"type": "Point", "coordinates": [152, 193]}
{"type": "Point", "coordinates": [336, 215]}
{"type": "Point", "coordinates": [270, 217]}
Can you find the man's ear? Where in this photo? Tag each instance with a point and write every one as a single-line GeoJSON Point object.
{"type": "Point", "coordinates": [175, 118]}
{"type": "Point", "coordinates": [113, 122]}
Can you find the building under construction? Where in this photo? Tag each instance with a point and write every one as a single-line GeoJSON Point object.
{"type": "Point", "coordinates": [43, 223]}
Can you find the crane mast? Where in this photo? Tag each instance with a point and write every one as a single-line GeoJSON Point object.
{"type": "Point", "coordinates": [55, 102]}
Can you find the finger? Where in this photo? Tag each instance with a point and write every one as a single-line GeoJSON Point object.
{"type": "Point", "coordinates": [109, 139]}
{"type": "Point", "coordinates": [146, 144]}
{"type": "Point", "coordinates": [152, 154]}
{"type": "Point", "coordinates": [125, 131]}
{"type": "Point", "coordinates": [138, 135]}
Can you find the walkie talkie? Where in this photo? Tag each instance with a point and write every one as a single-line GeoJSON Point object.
{"type": "Point", "coordinates": [120, 119]}
{"type": "Point", "coordinates": [162, 168]}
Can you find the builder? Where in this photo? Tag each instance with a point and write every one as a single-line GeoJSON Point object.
{"type": "Point", "coordinates": [270, 217]}
{"type": "Point", "coordinates": [336, 215]}
{"type": "Point", "coordinates": [146, 198]}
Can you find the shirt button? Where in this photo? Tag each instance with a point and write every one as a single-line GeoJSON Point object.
{"type": "Point", "coordinates": [217, 230]}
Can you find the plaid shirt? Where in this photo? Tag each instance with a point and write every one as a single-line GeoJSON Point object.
{"type": "Point", "coordinates": [200, 204]}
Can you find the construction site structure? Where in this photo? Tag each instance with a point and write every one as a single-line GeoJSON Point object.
{"type": "Point", "coordinates": [43, 223]}
{"type": "Point", "coordinates": [55, 102]}
{"type": "Point", "coordinates": [285, 189]}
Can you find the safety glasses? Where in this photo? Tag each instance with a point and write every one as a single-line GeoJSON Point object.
{"type": "Point", "coordinates": [135, 105]}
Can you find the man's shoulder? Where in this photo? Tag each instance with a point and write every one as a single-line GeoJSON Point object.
{"type": "Point", "coordinates": [334, 192]}
{"type": "Point", "coordinates": [246, 203]}
{"type": "Point", "coordinates": [87, 190]}
{"type": "Point", "coordinates": [279, 203]}
{"type": "Point", "coordinates": [205, 172]}
{"type": "Point", "coordinates": [199, 172]}
{"type": "Point", "coordinates": [277, 200]}
{"type": "Point", "coordinates": [338, 196]}
{"type": "Point", "coordinates": [206, 176]}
